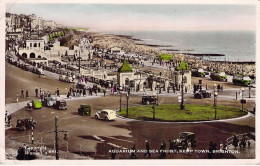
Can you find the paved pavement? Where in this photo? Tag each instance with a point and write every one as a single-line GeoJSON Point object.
{"type": "Point", "coordinates": [247, 153]}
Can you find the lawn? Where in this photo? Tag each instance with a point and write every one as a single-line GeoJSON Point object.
{"type": "Point", "coordinates": [192, 112]}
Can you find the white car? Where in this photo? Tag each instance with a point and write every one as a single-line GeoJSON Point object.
{"type": "Point", "coordinates": [106, 115]}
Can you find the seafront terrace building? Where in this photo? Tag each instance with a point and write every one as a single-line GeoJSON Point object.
{"type": "Point", "coordinates": [34, 49]}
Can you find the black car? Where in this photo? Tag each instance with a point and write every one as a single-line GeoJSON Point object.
{"type": "Point", "coordinates": [149, 100]}
{"type": "Point", "coordinates": [202, 94]}
{"type": "Point", "coordinates": [84, 110]}
{"type": "Point", "coordinates": [24, 124]}
{"type": "Point", "coordinates": [185, 138]}
{"type": "Point", "coordinates": [60, 105]}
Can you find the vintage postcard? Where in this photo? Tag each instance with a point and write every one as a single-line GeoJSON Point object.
{"type": "Point", "coordinates": [107, 82]}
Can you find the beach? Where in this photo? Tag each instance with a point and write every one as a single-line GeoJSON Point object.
{"type": "Point", "coordinates": [132, 45]}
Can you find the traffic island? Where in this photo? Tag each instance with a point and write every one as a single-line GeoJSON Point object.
{"type": "Point", "coordinates": [173, 113]}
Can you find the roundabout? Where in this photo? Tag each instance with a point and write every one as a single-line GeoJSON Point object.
{"type": "Point", "coordinates": [191, 113]}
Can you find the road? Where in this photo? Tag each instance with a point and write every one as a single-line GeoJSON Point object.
{"type": "Point", "coordinates": [93, 138]}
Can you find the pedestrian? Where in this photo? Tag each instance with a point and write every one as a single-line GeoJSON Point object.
{"type": "Point", "coordinates": [210, 154]}
{"type": "Point", "coordinates": [147, 147]}
{"type": "Point", "coordinates": [58, 92]}
{"type": "Point", "coordinates": [96, 91]}
{"type": "Point", "coordinates": [248, 143]}
{"type": "Point", "coordinates": [90, 91]}
{"type": "Point", "coordinates": [113, 154]}
{"type": "Point", "coordinates": [104, 91]}
{"type": "Point", "coordinates": [171, 147]}
{"type": "Point", "coordinates": [36, 92]}
{"type": "Point", "coordinates": [161, 151]}
{"type": "Point", "coordinates": [27, 94]}
{"type": "Point", "coordinates": [112, 90]}
{"type": "Point", "coordinates": [22, 95]}
{"type": "Point", "coordinates": [235, 141]}
{"type": "Point", "coordinates": [206, 86]}
{"type": "Point", "coordinates": [133, 149]}
{"type": "Point", "coordinates": [17, 96]}
{"type": "Point", "coordinates": [80, 92]}
{"type": "Point", "coordinates": [221, 146]}
{"type": "Point", "coordinates": [68, 94]}
{"type": "Point", "coordinates": [40, 91]}
{"type": "Point", "coordinates": [84, 92]}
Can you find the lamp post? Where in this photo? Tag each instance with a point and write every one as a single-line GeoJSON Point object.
{"type": "Point", "coordinates": [160, 82]}
{"type": "Point", "coordinates": [158, 86]}
{"type": "Point", "coordinates": [242, 101]}
{"type": "Point", "coordinates": [182, 105]}
{"type": "Point", "coordinates": [120, 90]}
{"type": "Point", "coordinates": [249, 91]}
{"type": "Point", "coordinates": [153, 107]}
{"type": "Point", "coordinates": [214, 86]}
{"type": "Point", "coordinates": [215, 103]}
{"type": "Point", "coordinates": [127, 97]}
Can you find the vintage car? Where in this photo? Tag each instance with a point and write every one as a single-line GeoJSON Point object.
{"type": "Point", "coordinates": [106, 115]}
{"type": "Point", "coordinates": [60, 105]}
{"type": "Point", "coordinates": [48, 101]}
{"type": "Point", "coordinates": [69, 79]}
{"type": "Point", "coordinates": [202, 94]}
{"type": "Point", "coordinates": [81, 86]}
{"type": "Point", "coordinates": [149, 100]}
{"type": "Point", "coordinates": [84, 110]}
{"type": "Point", "coordinates": [184, 139]}
{"type": "Point", "coordinates": [37, 70]}
{"type": "Point", "coordinates": [62, 77]}
{"type": "Point", "coordinates": [24, 124]}
{"type": "Point", "coordinates": [34, 104]}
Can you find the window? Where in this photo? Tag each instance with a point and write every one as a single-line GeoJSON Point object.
{"type": "Point", "coordinates": [126, 81]}
{"type": "Point", "coordinates": [32, 55]}
{"type": "Point", "coordinates": [35, 45]}
{"type": "Point", "coordinates": [39, 44]}
{"type": "Point", "coordinates": [24, 55]}
{"type": "Point", "coordinates": [30, 44]}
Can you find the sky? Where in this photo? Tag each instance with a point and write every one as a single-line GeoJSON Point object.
{"type": "Point", "coordinates": [145, 17]}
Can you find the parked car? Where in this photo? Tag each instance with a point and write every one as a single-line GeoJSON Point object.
{"type": "Point", "coordinates": [48, 101]}
{"type": "Point", "coordinates": [84, 110]}
{"type": "Point", "coordinates": [68, 79]}
{"type": "Point", "coordinates": [35, 104]}
{"type": "Point", "coordinates": [24, 124]}
{"type": "Point", "coordinates": [149, 100]}
{"type": "Point", "coordinates": [81, 86]}
{"type": "Point", "coordinates": [62, 77]}
{"type": "Point", "coordinates": [184, 138]}
{"type": "Point", "coordinates": [38, 71]}
{"type": "Point", "coordinates": [202, 94]}
{"type": "Point", "coordinates": [106, 115]}
{"type": "Point", "coordinates": [60, 104]}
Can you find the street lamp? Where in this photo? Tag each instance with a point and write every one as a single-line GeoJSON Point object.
{"type": "Point", "coordinates": [158, 86]}
{"type": "Point", "coordinates": [120, 90]}
{"type": "Point", "coordinates": [127, 97]}
{"type": "Point", "coordinates": [249, 91]}
{"type": "Point", "coordinates": [182, 102]}
{"type": "Point", "coordinates": [215, 103]}
{"type": "Point", "coordinates": [243, 101]}
{"type": "Point", "coordinates": [153, 107]}
{"type": "Point", "coordinates": [214, 86]}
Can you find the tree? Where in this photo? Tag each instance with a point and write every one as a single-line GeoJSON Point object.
{"type": "Point", "coordinates": [183, 65]}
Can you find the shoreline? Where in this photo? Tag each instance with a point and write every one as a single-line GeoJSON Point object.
{"type": "Point", "coordinates": [128, 45]}
{"type": "Point", "coordinates": [173, 51]}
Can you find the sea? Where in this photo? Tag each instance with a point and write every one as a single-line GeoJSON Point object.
{"type": "Point", "coordinates": [235, 45]}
